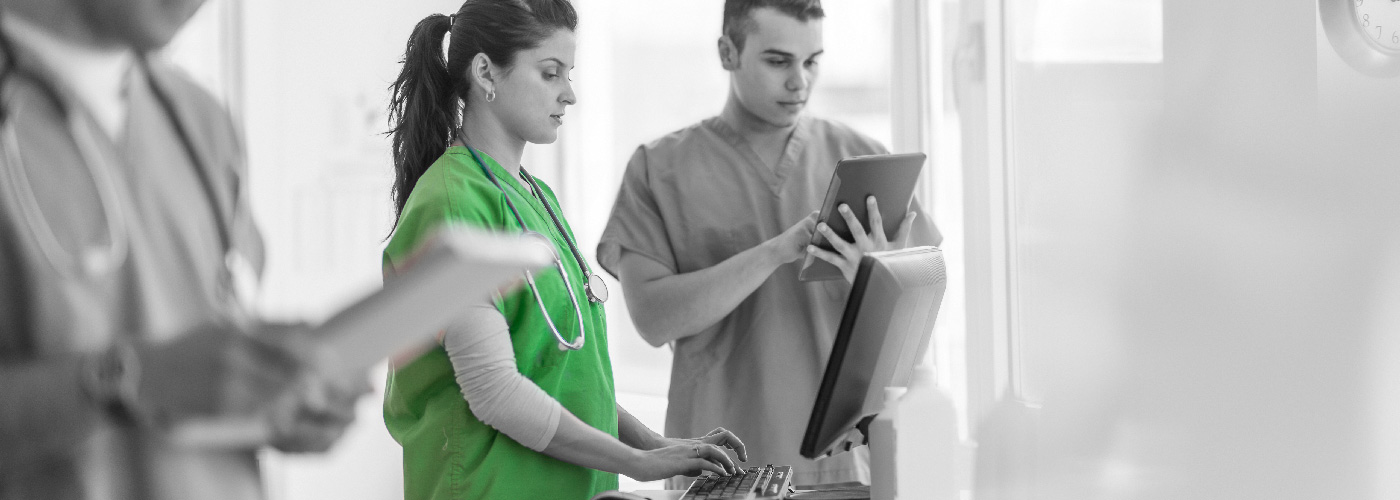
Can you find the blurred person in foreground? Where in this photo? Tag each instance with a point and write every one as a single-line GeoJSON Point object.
{"type": "Point", "coordinates": [708, 231]}
{"type": "Point", "coordinates": [124, 236]}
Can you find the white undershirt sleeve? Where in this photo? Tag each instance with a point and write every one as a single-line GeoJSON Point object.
{"type": "Point", "coordinates": [478, 343]}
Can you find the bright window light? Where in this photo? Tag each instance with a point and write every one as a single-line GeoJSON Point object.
{"type": "Point", "coordinates": [1091, 31]}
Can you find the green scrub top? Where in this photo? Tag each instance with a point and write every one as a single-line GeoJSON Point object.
{"type": "Point", "coordinates": [448, 452]}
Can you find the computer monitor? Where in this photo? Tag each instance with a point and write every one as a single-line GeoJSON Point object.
{"type": "Point", "coordinates": [884, 331]}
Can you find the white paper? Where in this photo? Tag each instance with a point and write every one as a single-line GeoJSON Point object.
{"type": "Point", "coordinates": [456, 266]}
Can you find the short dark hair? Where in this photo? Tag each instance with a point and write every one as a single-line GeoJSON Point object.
{"type": "Point", "coordinates": [738, 15]}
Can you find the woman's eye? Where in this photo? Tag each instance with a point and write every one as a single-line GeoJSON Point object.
{"type": "Point", "coordinates": [777, 62]}
{"type": "Point", "coordinates": [550, 76]}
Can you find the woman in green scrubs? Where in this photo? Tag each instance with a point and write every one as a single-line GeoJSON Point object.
{"type": "Point", "coordinates": [500, 409]}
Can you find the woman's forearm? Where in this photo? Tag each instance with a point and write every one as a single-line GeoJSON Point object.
{"type": "Point", "coordinates": [634, 433]}
{"type": "Point", "coordinates": [581, 444]}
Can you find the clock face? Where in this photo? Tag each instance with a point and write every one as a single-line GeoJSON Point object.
{"type": "Point", "coordinates": [1365, 33]}
{"type": "Point", "coordinates": [1379, 22]}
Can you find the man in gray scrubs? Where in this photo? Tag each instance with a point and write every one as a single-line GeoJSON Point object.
{"type": "Point", "coordinates": [123, 221]}
{"type": "Point", "coordinates": [709, 229]}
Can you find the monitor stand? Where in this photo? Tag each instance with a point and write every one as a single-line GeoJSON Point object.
{"type": "Point", "coordinates": [849, 490]}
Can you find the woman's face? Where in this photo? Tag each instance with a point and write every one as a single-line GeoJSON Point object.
{"type": "Point", "coordinates": [532, 95]}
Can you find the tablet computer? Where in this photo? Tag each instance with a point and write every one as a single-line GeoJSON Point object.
{"type": "Point", "coordinates": [889, 178]}
{"type": "Point", "coordinates": [456, 265]}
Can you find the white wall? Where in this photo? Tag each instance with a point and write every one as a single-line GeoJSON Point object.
{"type": "Point", "coordinates": [316, 75]}
{"type": "Point", "coordinates": [1202, 267]}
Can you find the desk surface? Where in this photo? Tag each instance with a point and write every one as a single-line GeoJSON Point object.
{"type": "Point", "coordinates": [661, 494]}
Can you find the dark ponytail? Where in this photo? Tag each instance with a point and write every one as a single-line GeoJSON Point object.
{"type": "Point", "coordinates": [424, 107]}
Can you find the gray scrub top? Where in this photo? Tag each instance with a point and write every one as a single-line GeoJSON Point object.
{"type": "Point", "coordinates": [53, 442]}
{"type": "Point", "coordinates": [700, 195]}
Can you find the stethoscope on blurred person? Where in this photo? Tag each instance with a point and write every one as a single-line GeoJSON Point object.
{"type": "Point", "coordinates": [595, 289]}
{"type": "Point", "coordinates": [93, 262]}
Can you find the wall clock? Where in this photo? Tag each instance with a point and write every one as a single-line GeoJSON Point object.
{"type": "Point", "coordinates": [1366, 33]}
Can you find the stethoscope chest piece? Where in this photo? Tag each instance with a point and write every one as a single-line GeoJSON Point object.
{"type": "Point", "coordinates": [596, 290]}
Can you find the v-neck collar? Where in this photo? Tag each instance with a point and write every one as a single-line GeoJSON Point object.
{"type": "Point", "coordinates": [775, 176]}
{"type": "Point", "coordinates": [554, 232]}
{"type": "Point", "coordinates": [97, 78]}
{"type": "Point", "coordinates": [496, 169]}
{"type": "Point", "coordinates": [515, 183]}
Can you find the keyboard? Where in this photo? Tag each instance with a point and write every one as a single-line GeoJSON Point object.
{"type": "Point", "coordinates": [767, 482]}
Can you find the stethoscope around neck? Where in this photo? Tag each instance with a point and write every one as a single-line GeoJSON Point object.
{"type": "Point", "coordinates": [594, 288]}
{"type": "Point", "coordinates": [94, 262]}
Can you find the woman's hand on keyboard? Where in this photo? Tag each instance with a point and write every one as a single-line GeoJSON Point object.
{"type": "Point", "coordinates": [685, 457]}
{"type": "Point", "coordinates": [720, 437]}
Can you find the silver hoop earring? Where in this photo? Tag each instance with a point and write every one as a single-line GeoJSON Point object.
{"type": "Point", "coordinates": [490, 95]}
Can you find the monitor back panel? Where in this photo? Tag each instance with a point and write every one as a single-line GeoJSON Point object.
{"type": "Point", "coordinates": [887, 325]}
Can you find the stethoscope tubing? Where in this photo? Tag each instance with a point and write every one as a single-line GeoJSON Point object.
{"type": "Point", "coordinates": [539, 193]}
{"type": "Point", "coordinates": [588, 287]}
{"type": "Point", "coordinates": [564, 345]}
{"type": "Point", "coordinates": [93, 264]}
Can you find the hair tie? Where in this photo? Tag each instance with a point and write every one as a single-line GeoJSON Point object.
{"type": "Point", "coordinates": [452, 19]}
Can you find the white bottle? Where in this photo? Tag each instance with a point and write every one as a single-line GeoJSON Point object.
{"type": "Point", "coordinates": [918, 432]}
{"type": "Point", "coordinates": [883, 446]}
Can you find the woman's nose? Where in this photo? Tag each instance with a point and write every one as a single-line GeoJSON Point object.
{"type": "Point", "coordinates": [568, 97]}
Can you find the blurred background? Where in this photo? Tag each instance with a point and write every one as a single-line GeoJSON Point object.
{"type": "Point", "coordinates": [1170, 226]}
